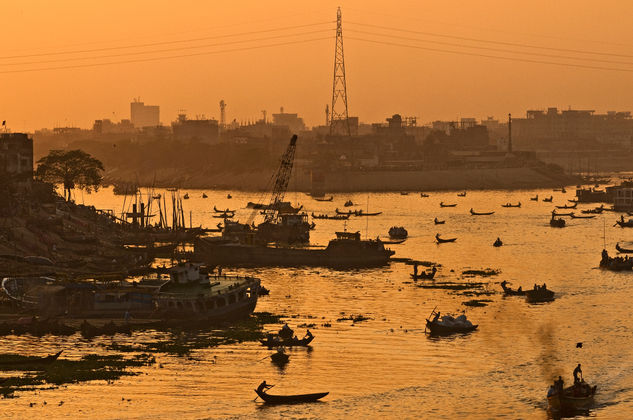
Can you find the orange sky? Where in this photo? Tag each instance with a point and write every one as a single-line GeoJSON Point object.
{"type": "Point", "coordinates": [382, 79]}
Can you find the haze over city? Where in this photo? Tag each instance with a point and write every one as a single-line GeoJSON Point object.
{"type": "Point", "coordinates": [316, 210]}
{"type": "Point", "coordinates": [388, 70]}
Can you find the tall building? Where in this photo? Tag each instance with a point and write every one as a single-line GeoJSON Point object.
{"type": "Point", "coordinates": [203, 130]}
{"type": "Point", "coordinates": [292, 121]}
{"type": "Point", "coordinates": [143, 115]}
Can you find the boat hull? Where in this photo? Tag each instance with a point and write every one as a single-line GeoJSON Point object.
{"type": "Point", "coordinates": [254, 255]}
{"type": "Point", "coordinates": [290, 399]}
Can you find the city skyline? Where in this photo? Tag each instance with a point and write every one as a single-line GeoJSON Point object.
{"type": "Point", "coordinates": [407, 78]}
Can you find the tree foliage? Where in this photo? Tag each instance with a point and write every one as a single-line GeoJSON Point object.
{"type": "Point", "coordinates": [72, 169]}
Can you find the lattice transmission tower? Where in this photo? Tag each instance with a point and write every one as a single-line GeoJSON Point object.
{"type": "Point", "coordinates": [339, 118]}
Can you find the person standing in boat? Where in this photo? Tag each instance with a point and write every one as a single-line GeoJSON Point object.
{"type": "Point", "coordinates": [263, 387]}
{"type": "Point", "coordinates": [436, 317]}
{"type": "Point", "coordinates": [577, 374]}
{"type": "Point", "coordinates": [559, 384]}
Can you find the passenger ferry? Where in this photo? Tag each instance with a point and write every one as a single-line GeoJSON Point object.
{"type": "Point", "coordinates": [216, 297]}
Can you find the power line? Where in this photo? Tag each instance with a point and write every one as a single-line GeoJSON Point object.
{"type": "Point", "coordinates": [151, 44]}
{"type": "Point", "coordinates": [141, 60]}
{"type": "Point", "coordinates": [493, 48]}
{"type": "Point", "coordinates": [524, 60]}
{"type": "Point", "coordinates": [513, 44]}
{"type": "Point", "coordinates": [135, 53]}
{"type": "Point", "coordinates": [488, 28]}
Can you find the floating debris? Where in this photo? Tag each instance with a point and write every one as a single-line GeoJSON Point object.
{"type": "Point", "coordinates": [484, 273]}
{"type": "Point", "coordinates": [88, 368]}
{"type": "Point", "coordinates": [477, 302]}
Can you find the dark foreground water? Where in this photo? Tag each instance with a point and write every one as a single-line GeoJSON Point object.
{"type": "Point", "coordinates": [387, 366]}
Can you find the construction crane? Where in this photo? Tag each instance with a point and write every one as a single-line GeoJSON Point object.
{"type": "Point", "coordinates": [282, 178]}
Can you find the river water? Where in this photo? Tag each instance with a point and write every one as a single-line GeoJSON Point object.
{"type": "Point", "coordinates": [387, 366]}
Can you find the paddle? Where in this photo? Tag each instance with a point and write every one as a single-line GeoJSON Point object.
{"type": "Point", "coordinates": [264, 390]}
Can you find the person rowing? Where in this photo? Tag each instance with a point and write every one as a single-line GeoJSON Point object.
{"type": "Point", "coordinates": [263, 387]}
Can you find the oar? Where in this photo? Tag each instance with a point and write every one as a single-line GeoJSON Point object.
{"type": "Point", "coordinates": [264, 390]}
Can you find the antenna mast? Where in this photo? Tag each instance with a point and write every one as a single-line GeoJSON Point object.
{"type": "Point", "coordinates": [339, 118]}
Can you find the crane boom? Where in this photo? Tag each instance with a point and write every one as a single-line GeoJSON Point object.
{"type": "Point", "coordinates": [282, 178]}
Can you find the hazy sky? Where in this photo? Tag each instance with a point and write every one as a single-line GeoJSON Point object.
{"type": "Point", "coordinates": [413, 75]}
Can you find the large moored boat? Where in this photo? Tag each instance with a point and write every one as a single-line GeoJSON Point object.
{"type": "Point", "coordinates": [346, 250]}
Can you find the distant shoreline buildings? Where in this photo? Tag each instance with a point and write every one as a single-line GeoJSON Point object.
{"type": "Point", "coordinates": [398, 142]}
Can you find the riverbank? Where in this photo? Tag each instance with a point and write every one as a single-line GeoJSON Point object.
{"type": "Point", "coordinates": [356, 181]}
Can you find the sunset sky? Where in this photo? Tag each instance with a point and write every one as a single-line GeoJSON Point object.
{"type": "Point", "coordinates": [282, 55]}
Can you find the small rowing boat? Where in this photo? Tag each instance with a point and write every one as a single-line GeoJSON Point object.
{"type": "Point", "coordinates": [623, 250]}
{"type": "Point", "coordinates": [443, 241]}
{"type": "Point", "coordinates": [447, 205]}
{"type": "Point", "coordinates": [573, 216]}
{"type": "Point", "coordinates": [21, 360]}
{"type": "Point", "coordinates": [438, 222]}
{"type": "Point", "coordinates": [290, 399]}
{"type": "Point", "coordinates": [330, 198]}
{"type": "Point", "coordinates": [475, 213]}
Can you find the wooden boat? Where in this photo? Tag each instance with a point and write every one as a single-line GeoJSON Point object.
{"type": "Point", "coordinates": [623, 250]}
{"type": "Point", "coordinates": [229, 196]}
{"type": "Point", "coordinates": [30, 360]}
{"type": "Point", "coordinates": [423, 275]}
{"type": "Point", "coordinates": [510, 205]}
{"type": "Point", "coordinates": [624, 223]}
{"type": "Point", "coordinates": [224, 216]}
{"type": "Point", "coordinates": [443, 241]}
{"type": "Point", "coordinates": [335, 217]}
{"type": "Point", "coordinates": [567, 207]}
{"type": "Point", "coordinates": [424, 195]}
{"type": "Point", "coordinates": [396, 242]}
{"type": "Point", "coordinates": [597, 210]}
{"type": "Point", "coordinates": [562, 214]}
{"type": "Point", "coordinates": [215, 209]}
{"type": "Point", "coordinates": [279, 357]}
{"type": "Point", "coordinates": [539, 295]}
{"type": "Point", "coordinates": [362, 213]}
{"type": "Point", "coordinates": [398, 232]}
{"type": "Point", "coordinates": [474, 213]}
{"type": "Point", "coordinates": [435, 327]}
{"type": "Point", "coordinates": [291, 342]}
{"type": "Point", "coordinates": [349, 203]}
{"type": "Point", "coordinates": [549, 200]}
{"type": "Point", "coordinates": [557, 223]}
{"type": "Point", "coordinates": [348, 213]}
{"type": "Point", "coordinates": [462, 194]}
{"type": "Point", "coordinates": [330, 198]}
{"type": "Point", "coordinates": [575, 398]}
{"type": "Point", "coordinates": [404, 193]}
{"type": "Point", "coordinates": [508, 291]}
{"type": "Point", "coordinates": [573, 216]}
{"type": "Point", "coordinates": [186, 196]}
{"type": "Point", "coordinates": [447, 205]}
{"type": "Point", "coordinates": [535, 198]}
{"type": "Point", "coordinates": [439, 222]}
{"type": "Point", "coordinates": [290, 399]}
{"type": "Point", "coordinates": [204, 195]}
{"type": "Point", "coordinates": [498, 243]}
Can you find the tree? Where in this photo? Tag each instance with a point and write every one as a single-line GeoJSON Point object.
{"type": "Point", "coordinates": [74, 168]}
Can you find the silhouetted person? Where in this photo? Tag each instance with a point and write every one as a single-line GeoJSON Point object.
{"type": "Point", "coordinates": [577, 373]}
{"type": "Point", "coordinates": [436, 317]}
{"type": "Point", "coordinates": [263, 387]}
{"type": "Point", "coordinates": [559, 383]}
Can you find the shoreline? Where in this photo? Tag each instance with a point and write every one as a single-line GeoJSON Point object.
{"type": "Point", "coordinates": [358, 181]}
